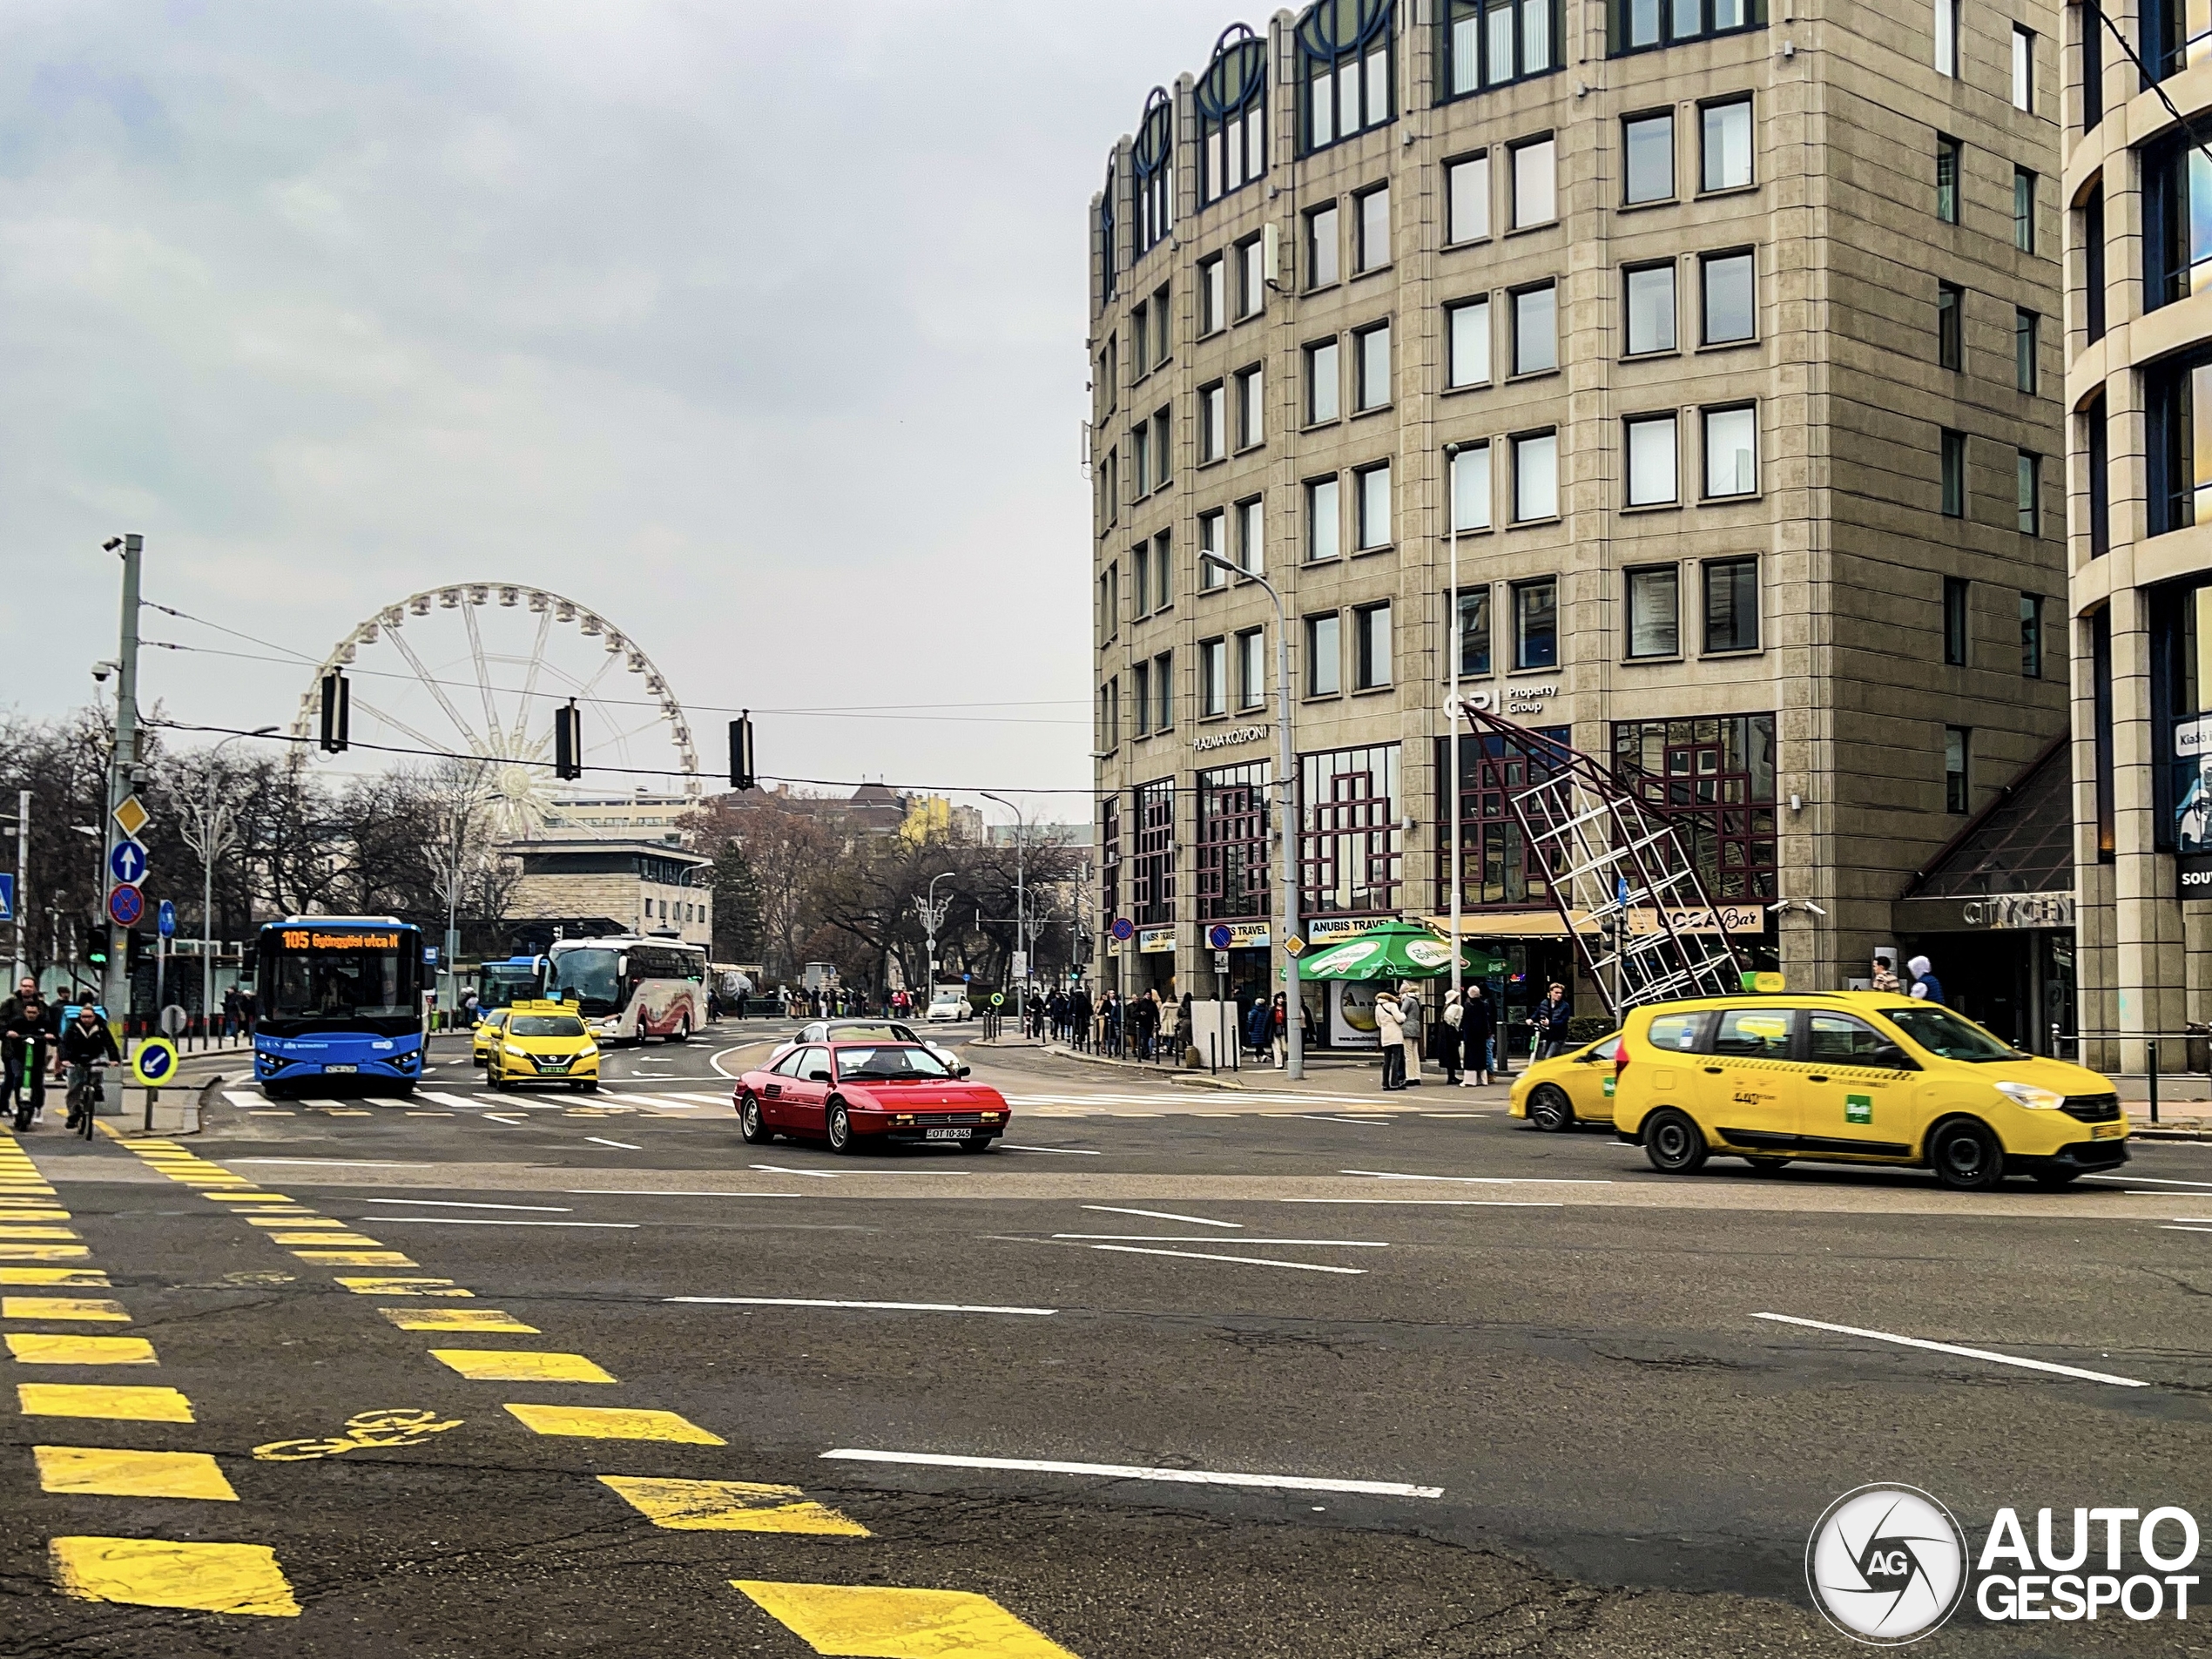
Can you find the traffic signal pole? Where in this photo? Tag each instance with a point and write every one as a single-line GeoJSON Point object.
{"type": "Point", "coordinates": [123, 766]}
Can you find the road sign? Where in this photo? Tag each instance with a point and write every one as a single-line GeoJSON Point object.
{"type": "Point", "coordinates": [430, 956]}
{"type": "Point", "coordinates": [155, 1063]}
{"type": "Point", "coordinates": [7, 898]}
{"type": "Point", "coordinates": [127, 863]}
{"type": "Point", "coordinates": [1218, 937]}
{"type": "Point", "coordinates": [165, 920]}
{"type": "Point", "coordinates": [174, 1020]}
{"type": "Point", "coordinates": [998, 999]}
{"type": "Point", "coordinates": [1123, 929]}
{"type": "Point", "coordinates": [125, 904]}
{"type": "Point", "coordinates": [1020, 964]}
{"type": "Point", "coordinates": [133, 816]}
{"type": "Point", "coordinates": [1294, 945]}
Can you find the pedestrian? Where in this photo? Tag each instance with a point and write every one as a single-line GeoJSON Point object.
{"type": "Point", "coordinates": [1885, 975]}
{"type": "Point", "coordinates": [1256, 1024]}
{"type": "Point", "coordinates": [1445, 1040]}
{"type": "Point", "coordinates": [1143, 1014]}
{"type": "Point", "coordinates": [1478, 1029]}
{"type": "Point", "coordinates": [1389, 1029]}
{"type": "Point", "coordinates": [24, 1045]}
{"type": "Point", "coordinates": [1550, 1020]}
{"type": "Point", "coordinates": [1926, 985]}
{"type": "Point", "coordinates": [1415, 1012]}
{"type": "Point", "coordinates": [230, 1012]}
{"type": "Point", "coordinates": [249, 1012]}
{"type": "Point", "coordinates": [1185, 1050]}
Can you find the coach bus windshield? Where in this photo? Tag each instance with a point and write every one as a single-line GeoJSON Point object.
{"type": "Point", "coordinates": [499, 984]}
{"type": "Point", "coordinates": [591, 978]}
{"type": "Point", "coordinates": [338, 979]}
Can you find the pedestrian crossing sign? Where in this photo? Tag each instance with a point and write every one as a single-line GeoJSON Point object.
{"type": "Point", "coordinates": [7, 898]}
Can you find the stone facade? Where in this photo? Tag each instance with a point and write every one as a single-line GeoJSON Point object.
{"type": "Point", "coordinates": [646, 886]}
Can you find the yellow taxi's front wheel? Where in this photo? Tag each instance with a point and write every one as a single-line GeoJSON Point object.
{"type": "Point", "coordinates": [1549, 1109]}
{"type": "Point", "coordinates": [1966, 1156]}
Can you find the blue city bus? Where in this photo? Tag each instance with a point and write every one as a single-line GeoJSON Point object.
{"type": "Point", "coordinates": [340, 997]}
{"type": "Point", "coordinates": [519, 979]}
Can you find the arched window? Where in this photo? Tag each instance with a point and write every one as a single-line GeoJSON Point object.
{"type": "Point", "coordinates": [1232, 114]}
{"type": "Point", "coordinates": [1106, 248]}
{"type": "Point", "coordinates": [1345, 69]}
{"type": "Point", "coordinates": [1488, 42]}
{"type": "Point", "coordinates": [1153, 157]}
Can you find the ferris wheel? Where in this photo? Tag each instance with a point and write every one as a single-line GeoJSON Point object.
{"type": "Point", "coordinates": [476, 671]}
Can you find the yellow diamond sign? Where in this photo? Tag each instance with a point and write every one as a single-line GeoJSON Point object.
{"type": "Point", "coordinates": [133, 816]}
{"type": "Point", "coordinates": [1294, 945]}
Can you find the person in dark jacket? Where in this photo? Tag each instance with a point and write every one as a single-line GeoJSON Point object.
{"type": "Point", "coordinates": [1443, 1038]}
{"type": "Point", "coordinates": [85, 1041]}
{"type": "Point", "coordinates": [26, 1039]}
{"type": "Point", "coordinates": [1550, 1020]}
{"type": "Point", "coordinates": [1478, 1028]}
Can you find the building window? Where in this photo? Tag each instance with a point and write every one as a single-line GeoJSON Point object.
{"type": "Point", "coordinates": [2023, 68]}
{"type": "Point", "coordinates": [2103, 765]}
{"type": "Point", "coordinates": [2024, 210]}
{"type": "Point", "coordinates": [1252, 278]}
{"type": "Point", "coordinates": [1371, 647]}
{"type": "Point", "coordinates": [1957, 744]}
{"type": "Point", "coordinates": [1213, 678]}
{"type": "Point", "coordinates": [1650, 294]}
{"type": "Point", "coordinates": [1535, 329]}
{"type": "Point", "coordinates": [1535, 477]}
{"type": "Point", "coordinates": [1647, 148]}
{"type": "Point", "coordinates": [1536, 183]}
{"type": "Point", "coordinates": [1211, 528]}
{"type": "Point", "coordinates": [1497, 865]}
{"type": "Point", "coordinates": [1251, 668]}
{"type": "Point", "coordinates": [1727, 128]}
{"type": "Point", "coordinates": [1714, 779]}
{"type": "Point", "coordinates": [1321, 239]}
{"type": "Point", "coordinates": [1213, 295]}
{"type": "Point", "coordinates": [1213, 422]}
{"type": "Point", "coordinates": [1535, 624]}
{"type": "Point", "coordinates": [1471, 488]}
{"type": "Point", "coordinates": [1252, 549]}
{"type": "Point", "coordinates": [1951, 332]}
{"type": "Point", "coordinates": [1152, 157]}
{"type": "Point", "coordinates": [1371, 252]}
{"type": "Point", "coordinates": [1163, 573]}
{"type": "Point", "coordinates": [1324, 656]}
{"type": "Point", "coordinates": [1373, 391]}
{"type": "Point", "coordinates": [1345, 68]}
{"type": "Point", "coordinates": [1730, 315]}
{"type": "Point", "coordinates": [1467, 199]}
{"type": "Point", "coordinates": [1110, 489]}
{"type": "Point", "coordinates": [1232, 842]}
{"type": "Point", "coordinates": [2173, 32]}
{"type": "Point", "coordinates": [2093, 260]}
{"type": "Point", "coordinates": [1163, 691]}
{"type": "Point", "coordinates": [2177, 221]}
{"type": "Point", "coordinates": [1109, 245]}
{"type": "Point", "coordinates": [1251, 406]}
{"type": "Point", "coordinates": [1651, 460]}
{"type": "Point", "coordinates": [1949, 154]}
{"type": "Point", "coordinates": [1947, 38]}
{"type": "Point", "coordinates": [1323, 518]}
{"type": "Point", "coordinates": [1655, 612]}
{"type": "Point", "coordinates": [1957, 631]}
{"type": "Point", "coordinates": [1140, 567]}
{"type": "Point", "coordinates": [1374, 528]}
{"type": "Point", "coordinates": [1349, 850]}
{"type": "Point", "coordinates": [1954, 475]}
{"type": "Point", "coordinates": [1474, 630]}
{"type": "Point", "coordinates": [1141, 454]}
{"type": "Point", "coordinates": [1323, 381]}
{"type": "Point", "coordinates": [2027, 471]}
{"type": "Point", "coordinates": [1636, 25]}
{"type": "Point", "coordinates": [1110, 602]}
{"type": "Point", "coordinates": [1109, 377]}
{"type": "Point", "coordinates": [1469, 363]}
{"type": "Point", "coordinates": [1231, 102]}
{"type": "Point", "coordinates": [1490, 42]}
{"type": "Point", "coordinates": [2097, 441]}
{"type": "Point", "coordinates": [1732, 451]}
{"type": "Point", "coordinates": [1140, 680]}
{"type": "Point", "coordinates": [1731, 604]}
{"type": "Point", "coordinates": [1163, 448]}
{"type": "Point", "coordinates": [2031, 635]}
{"type": "Point", "coordinates": [2178, 411]}
{"type": "Point", "coordinates": [2093, 65]}
{"type": "Point", "coordinates": [2024, 338]}
{"type": "Point", "coordinates": [1152, 879]}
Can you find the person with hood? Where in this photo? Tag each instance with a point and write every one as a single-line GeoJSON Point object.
{"type": "Point", "coordinates": [1926, 985]}
{"type": "Point", "coordinates": [1478, 1027]}
{"type": "Point", "coordinates": [1389, 1029]}
{"type": "Point", "coordinates": [1444, 1039]}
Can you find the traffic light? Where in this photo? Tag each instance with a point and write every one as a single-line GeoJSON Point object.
{"type": "Point", "coordinates": [741, 752]}
{"type": "Point", "coordinates": [568, 741]}
{"type": "Point", "coordinates": [97, 953]}
{"type": "Point", "coordinates": [337, 705]}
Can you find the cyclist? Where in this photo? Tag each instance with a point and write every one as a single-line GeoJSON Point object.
{"type": "Point", "coordinates": [86, 1044]}
{"type": "Point", "coordinates": [24, 1045]}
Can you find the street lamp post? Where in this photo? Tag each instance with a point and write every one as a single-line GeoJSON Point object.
{"type": "Point", "coordinates": [932, 918]}
{"type": "Point", "coordinates": [1020, 906]}
{"type": "Point", "coordinates": [1452, 698]}
{"type": "Point", "coordinates": [209, 834]}
{"type": "Point", "coordinates": [1286, 816]}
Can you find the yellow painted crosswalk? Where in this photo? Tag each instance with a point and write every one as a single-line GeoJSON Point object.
{"type": "Point", "coordinates": [152, 1572]}
{"type": "Point", "coordinates": [879, 1621]}
{"type": "Point", "coordinates": [109, 1471]}
{"type": "Point", "coordinates": [730, 1506]}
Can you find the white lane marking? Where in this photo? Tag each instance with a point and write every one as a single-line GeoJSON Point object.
{"type": "Point", "coordinates": [1159, 1215]}
{"type": "Point", "coordinates": [343, 1163]}
{"type": "Point", "coordinates": [2150, 1180]}
{"type": "Point", "coordinates": [462, 1204]}
{"type": "Point", "coordinates": [1952, 1347]}
{"type": "Point", "coordinates": [624, 1146]}
{"type": "Point", "coordinates": [1202, 1256]}
{"type": "Point", "coordinates": [2168, 1229]}
{"type": "Point", "coordinates": [1066, 1151]}
{"type": "Point", "coordinates": [894, 1307]}
{"type": "Point", "coordinates": [1447, 1203]}
{"type": "Point", "coordinates": [446, 1100]}
{"type": "Point", "coordinates": [1208, 1238]}
{"type": "Point", "coordinates": [1331, 1117]}
{"type": "Point", "coordinates": [778, 1168]}
{"type": "Point", "coordinates": [666, 1192]}
{"type": "Point", "coordinates": [1137, 1471]}
{"type": "Point", "coordinates": [669, 1102]}
{"type": "Point", "coordinates": [501, 1221]}
{"type": "Point", "coordinates": [1491, 1180]}
{"type": "Point", "coordinates": [2200, 1220]}
{"type": "Point", "coordinates": [721, 1055]}
{"type": "Point", "coordinates": [244, 1098]}
{"type": "Point", "coordinates": [505, 1123]}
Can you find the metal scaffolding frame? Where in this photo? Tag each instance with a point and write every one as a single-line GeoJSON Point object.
{"type": "Point", "coordinates": [1605, 853]}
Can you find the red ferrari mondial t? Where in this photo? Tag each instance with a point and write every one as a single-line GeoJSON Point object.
{"type": "Point", "coordinates": [846, 1093]}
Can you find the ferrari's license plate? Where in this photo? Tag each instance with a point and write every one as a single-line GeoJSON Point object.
{"type": "Point", "coordinates": [331, 1067]}
{"type": "Point", "coordinates": [2106, 1131]}
{"type": "Point", "coordinates": [945, 1134]}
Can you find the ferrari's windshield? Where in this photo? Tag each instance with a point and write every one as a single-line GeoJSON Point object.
{"type": "Point", "coordinates": [899, 1063]}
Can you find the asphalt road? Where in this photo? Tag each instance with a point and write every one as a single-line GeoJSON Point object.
{"type": "Point", "coordinates": [1493, 1391]}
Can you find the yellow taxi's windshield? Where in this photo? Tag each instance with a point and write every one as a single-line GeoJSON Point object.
{"type": "Point", "coordinates": [545, 1025]}
{"type": "Point", "coordinates": [1941, 1032]}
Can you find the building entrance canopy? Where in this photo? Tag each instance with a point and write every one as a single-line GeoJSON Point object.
{"type": "Point", "coordinates": [1395, 950]}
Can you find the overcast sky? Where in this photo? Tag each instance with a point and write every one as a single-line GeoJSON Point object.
{"type": "Point", "coordinates": [757, 328]}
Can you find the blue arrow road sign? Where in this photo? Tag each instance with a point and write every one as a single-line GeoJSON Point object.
{"type": "Point", "coordinates": [7, 898]}
{"type": "Point", "coordinates": [165, 920]}
{"type": "Point", "coordinates": [126, 862]}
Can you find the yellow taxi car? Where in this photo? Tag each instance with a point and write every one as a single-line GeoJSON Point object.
{"type": "Point", "coordinates": [1569, 1089]}
{"type": "Point", "coordinates": [544, 1043]}
{"type": "Point", "coordinates": [1857, 1077]}
{"type": "Point", "coordinates": [487, 1035]}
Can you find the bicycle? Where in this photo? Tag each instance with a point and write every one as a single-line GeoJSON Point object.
{"type": "Point", "coordinates": [85, 1095]}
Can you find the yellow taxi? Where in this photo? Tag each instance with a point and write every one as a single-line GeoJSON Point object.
{"type": "Point", "coordinates": [487, 1035]}
{"type": "Point", "coordinates": [1569, 1089]}
{"type": "Point", "coordinates": [544, 1043]}
{"type": "Point", "coordinates": [1857, 1077]}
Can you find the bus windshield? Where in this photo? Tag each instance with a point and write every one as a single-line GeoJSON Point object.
{"type": "Point", "coordinates": [499, 984]}
{"type": "Point", "coordinates": [338, 979]}
{"type": "Point", "coordinates": [590, 977]}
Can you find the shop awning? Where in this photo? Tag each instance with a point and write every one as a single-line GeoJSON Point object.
{"type": "Point", "coordinates": [1395, 950]}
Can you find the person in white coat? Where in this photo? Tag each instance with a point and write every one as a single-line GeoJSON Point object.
{"type": "Point", "coordinates": [1390, 1027]}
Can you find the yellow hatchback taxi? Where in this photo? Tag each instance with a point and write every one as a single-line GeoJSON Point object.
{"type": "Point", "coordinates": [1570, 1088]}
{"type": "Point", "coordinates": [544, 1043]}
{"type": "Point", "coordinates": [486, 1038]}
{"type": "Point", "coordinates": [1857, 1077]}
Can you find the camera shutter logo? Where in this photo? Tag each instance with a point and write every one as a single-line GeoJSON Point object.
{"type": "Point", "coordinates": [1887, 1565]}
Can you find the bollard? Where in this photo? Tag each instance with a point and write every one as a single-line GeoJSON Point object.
{"type": "Point", "coordinates": [2152, 1051]}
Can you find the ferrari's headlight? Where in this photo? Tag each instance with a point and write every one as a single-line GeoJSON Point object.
{"type": "Point", "coordinates": [2034, 1099]}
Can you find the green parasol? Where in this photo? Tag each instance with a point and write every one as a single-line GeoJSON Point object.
{"type": "Point", "coordinates": [1393, 950]}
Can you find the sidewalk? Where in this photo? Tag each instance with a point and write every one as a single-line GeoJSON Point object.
{"type": "Point", "coordinates": [1325, 1072]}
